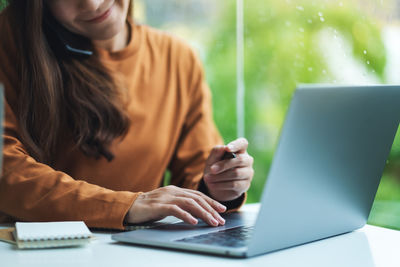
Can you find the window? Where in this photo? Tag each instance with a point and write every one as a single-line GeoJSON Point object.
{"type": "Point", "coordinates": [285, 43]}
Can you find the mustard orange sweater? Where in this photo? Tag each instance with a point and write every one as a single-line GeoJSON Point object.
{"type": "Point", "coordinates": [172, 128]}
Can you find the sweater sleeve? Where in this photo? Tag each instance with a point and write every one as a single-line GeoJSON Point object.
{"type": "Point", "coordinates": [32, 191]}
{"type": "Point", "coordinates": [198, 136]}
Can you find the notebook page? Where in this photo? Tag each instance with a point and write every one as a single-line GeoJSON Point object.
{"type": "Point", "coordinates": [51, 230]}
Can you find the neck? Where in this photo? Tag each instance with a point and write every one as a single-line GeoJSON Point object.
{"type": "Point", "coordinates": [118, 42]}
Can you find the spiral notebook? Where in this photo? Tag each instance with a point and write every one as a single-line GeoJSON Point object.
{"type": "Point", "coordinates": [48, 234]}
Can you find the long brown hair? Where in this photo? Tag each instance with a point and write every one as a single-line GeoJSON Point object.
{"type": "Point", "coordinates": [58, 92]}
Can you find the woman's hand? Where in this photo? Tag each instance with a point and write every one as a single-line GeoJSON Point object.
{"type": "Point", "coordinates": [228, 179]}
{"type": "Point", "coordinates": [184, 204]}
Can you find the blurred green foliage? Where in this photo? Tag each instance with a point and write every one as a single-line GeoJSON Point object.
{"type": "Point", "coordinates": [2, 4]}
{"type": "Point", "coordinates": [282, 50]}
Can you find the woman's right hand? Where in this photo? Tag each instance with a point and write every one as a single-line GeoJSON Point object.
{"type": "Point", "coordinates": [185, 204]}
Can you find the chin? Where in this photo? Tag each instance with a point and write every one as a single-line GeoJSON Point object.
{"type": "Point", "coordinates": [105, 32]}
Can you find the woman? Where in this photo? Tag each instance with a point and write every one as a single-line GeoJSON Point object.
{"type": "Point", "coordinates": [97, 108]}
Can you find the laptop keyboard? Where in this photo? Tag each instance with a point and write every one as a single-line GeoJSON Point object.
{"type": "Point", "coordinates": [234, 237]}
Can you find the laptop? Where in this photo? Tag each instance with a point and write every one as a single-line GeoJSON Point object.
{"type": "Point", "coordinates": [322, 182]}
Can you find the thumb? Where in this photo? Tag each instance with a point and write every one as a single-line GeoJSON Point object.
{"type": "Point", "coordinates": [215, 155]}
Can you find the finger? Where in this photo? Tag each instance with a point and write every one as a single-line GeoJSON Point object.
{"type": "Point", "coordinates": [204, 204]}
{"type": "Point", "coordinates": [183, 192]}
{"type": "Point", "coordinates": [213, 203]}
{"type": "Point", "coordinates": [191, 206]}
{"type": "Point", "coordinates": [242, 160]}
{"type": "Point", "coordinates": [231, 174]}
{"type": "Point", "coordinates": [237, 186]}
{"type": "Point", "coordinates": [238, 146]}
{"type": "Point", "coordinates": [215, 155]}
{"type": "Point", "coordinates": [175, 210]}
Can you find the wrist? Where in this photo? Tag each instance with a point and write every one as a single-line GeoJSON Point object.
{"type": "Point", "coordinates": [130, 213]}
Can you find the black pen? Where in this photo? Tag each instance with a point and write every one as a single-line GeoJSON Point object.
{"type": "Point", "coordinates": [229, 155]}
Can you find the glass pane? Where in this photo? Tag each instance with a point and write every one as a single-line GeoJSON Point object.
{"type": "Point", "coordinates": [306, 41]}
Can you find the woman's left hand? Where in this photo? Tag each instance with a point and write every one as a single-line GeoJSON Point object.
{"type": "Point", "coordinates": [228, 179]}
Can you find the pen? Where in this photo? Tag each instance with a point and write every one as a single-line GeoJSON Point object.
{"type": "Point", "coordinates": [228, 155]}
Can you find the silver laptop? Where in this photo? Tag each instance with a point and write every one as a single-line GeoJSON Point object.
{"type": "Point", "coordinates": [322, 181]}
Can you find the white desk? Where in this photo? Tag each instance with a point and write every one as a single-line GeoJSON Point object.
{"type": "Point", "coordinates": [369, 246]}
